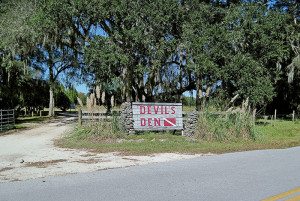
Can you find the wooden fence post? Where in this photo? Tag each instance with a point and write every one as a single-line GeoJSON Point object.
{"type": "Point", "coordinates": [79, 117]}
{"type": "Point", "coordinates": [293, 115]}
{"type": "Point", "coordinates": [14, 119]}
{"type": "Point", "coordinates": [275, 114]}
{"type": "Point", "coordinates": [254, 115]}
{"type": "Point", "coordinates": [1, 120]}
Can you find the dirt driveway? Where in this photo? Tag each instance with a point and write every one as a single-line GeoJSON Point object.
{"type": "Point", "coordinates": [31, 154]}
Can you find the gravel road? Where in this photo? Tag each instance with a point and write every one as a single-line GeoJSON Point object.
{"type": "Point", "coordinates": [31, 154]}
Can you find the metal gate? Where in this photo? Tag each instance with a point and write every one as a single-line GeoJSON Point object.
{"type": "Point", "coordinates": [7, 119]}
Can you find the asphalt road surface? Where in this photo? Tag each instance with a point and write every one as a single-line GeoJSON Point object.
{"type": "Point", "coordinates": [243, 176]}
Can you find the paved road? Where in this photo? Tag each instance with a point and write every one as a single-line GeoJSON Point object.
{"type": "Point", "coordinates": [241, 176]}
{"type": "Point", "coordinates": [31, 153]}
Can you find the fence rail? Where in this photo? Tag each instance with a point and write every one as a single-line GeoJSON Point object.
{"type": "Point", "coordinates": [7, 119]}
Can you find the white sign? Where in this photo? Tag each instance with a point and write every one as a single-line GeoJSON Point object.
{"type": "Point", "coordinates": [157, 116]}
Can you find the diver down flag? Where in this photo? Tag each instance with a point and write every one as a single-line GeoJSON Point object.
{"type": "Point", "coordinates": [170, 122]}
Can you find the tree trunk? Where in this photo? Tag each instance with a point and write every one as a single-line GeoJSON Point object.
{"type": "Point", "coordinates": [206, 97]}
{"type": "Point", "coordinates": [199, 94]}
{"type": "Point", "coordinates": [51, 91]}
{"type": "Point", "coordinates": [108, 103]}
{"type": "Point", "coordinates": [128, 85]}
{"type": "Point", "coordinates": [51, 102]}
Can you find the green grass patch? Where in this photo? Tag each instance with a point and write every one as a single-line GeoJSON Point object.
{"type": "Point", "coordinates": [278, 131]}
{"type": "Point", "coordinates": [187, 109]}
{"type": "Point", "coordinates": [34, 119]}
{"type": "Point", "coordinates": [275, 134]}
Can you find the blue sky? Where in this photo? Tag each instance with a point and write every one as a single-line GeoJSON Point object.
{"type": "Point", "coordinates": [82, 88]}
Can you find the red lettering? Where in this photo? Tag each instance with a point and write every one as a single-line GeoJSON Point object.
{"type": "Point", "coordinates": [156, 109]}
{"type": "Point", "coordinates": [143, 122]}
{"type": "Point", "coordinates": [149, 122]}
{"type": "Point", "coordinates": [142, 109]}
{"type": "Point", "coordinates": [162, 109]}
{"type": "Point", "coordinates": [173, 110]}
{"type": "Point", "coordinates": [166, 110]}
{"type": "Point", "coordinates": [156, 121]}
{"type": "Point", "coordinates": [149, 109]}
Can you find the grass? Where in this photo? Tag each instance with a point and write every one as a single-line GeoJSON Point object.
{"type": "Point", "coordinates": [186, 108]}
{"type": "Point", "coordinates": [225, 127]}
{"type": "Point", "coordinates": [275, 134]}
{"type": "Point", "coordinates": [279, 130]}
{"type": "Point", "coordinates": [34, 119]}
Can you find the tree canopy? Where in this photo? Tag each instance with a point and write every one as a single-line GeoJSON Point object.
{"type": "Point", "coordinates": [157, 50]}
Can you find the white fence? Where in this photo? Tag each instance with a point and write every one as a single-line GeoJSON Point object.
{"type": "Point", "coordinates": [7, 119]}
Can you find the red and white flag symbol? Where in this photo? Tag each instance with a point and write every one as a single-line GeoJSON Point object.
{"type": "Point", "coordinates": [170, 122]}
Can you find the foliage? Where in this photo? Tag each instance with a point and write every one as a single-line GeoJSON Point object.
{"type": "Point", "coordinates": [240, 45]}
{"type": "Point", "coordinates": [155, 50]}
{"type": "Point", "coordinates": [249, 78]}
{"type": "Point", "coordinates": [37, 98]}
{"type": "Point", "coordinates": [188, 101]}
{"type": "Point", "coordinates": [98, 131]}
{"type": "Point", "coordinates": [138, 40]}
{"type": "Point", "coordinates": [72, 94]}
{"type": "Point", "coordinates": [225, 127]}
{"type": "Point", "coordinates": [10, 85]}
{"type": "Point", "coordinates": [272, 135]}
{"type": "Point", "coordinates": [228, 123]}
{"type": "Point", "coordinates": [16, 35]}
{"type": "Point", "coordinates": [62, 101]}
{"type": "Point", "coordinates": [64, 97]}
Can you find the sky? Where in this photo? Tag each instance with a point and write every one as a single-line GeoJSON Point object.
{"type": "Point", "coordinates": [82, 88]}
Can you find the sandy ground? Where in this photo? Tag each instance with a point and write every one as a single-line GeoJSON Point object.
{"type": "Point", "coordinates": [31, 154]}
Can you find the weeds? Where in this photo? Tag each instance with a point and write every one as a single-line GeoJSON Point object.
{"type": "Point", "coordinates": [99, 131]}
{"type": "Point", "coordinates": [233, 124]}
{"type": "Point", "coordinates": [280, 134]}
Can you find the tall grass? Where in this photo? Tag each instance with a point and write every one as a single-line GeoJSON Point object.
{"type": "Point", "coordinates": [99, 131]}
{"type": "Point", "coordinates": [233, 124]}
